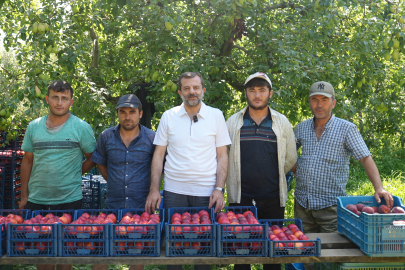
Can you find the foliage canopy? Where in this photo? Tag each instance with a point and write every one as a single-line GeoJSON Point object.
{"type": "Point", "coordinates": [102, 47]}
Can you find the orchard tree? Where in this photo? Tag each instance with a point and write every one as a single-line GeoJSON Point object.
{"type": "Point", "coordinates": [105, 47]}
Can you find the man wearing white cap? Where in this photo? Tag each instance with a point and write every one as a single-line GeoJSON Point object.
{"type": "Point", "coordinates": [322, 171]}
{"type": "Point", "coordinates": [262, 152]}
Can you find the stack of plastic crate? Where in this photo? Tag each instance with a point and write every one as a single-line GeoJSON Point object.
{"type": "Point", "coordinates": [94, 190]}
{"type": "Point", "coordinates": [11, 160]}
{"type": "Point", "coordinates": [2, 176]}
{"type": "Point", "coordinates": [13, 142]}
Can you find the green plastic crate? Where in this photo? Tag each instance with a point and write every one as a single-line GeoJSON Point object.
{"type": "Point", "coordinates": [359, 266]}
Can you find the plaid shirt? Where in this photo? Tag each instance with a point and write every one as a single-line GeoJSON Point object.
{"type": "Point", "coordinates": [323, 168]}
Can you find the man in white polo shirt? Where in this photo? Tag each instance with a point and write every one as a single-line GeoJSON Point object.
{"type": "Point", "coordinates": [196, 138]}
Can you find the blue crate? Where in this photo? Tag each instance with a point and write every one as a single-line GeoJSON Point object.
{"type": "Point", "coordinates": [190, 240]}
{"type": "Point", "coordinates": [90, 240]}
{"type": "Point", "coordinates": [3, 240]}
{"type": "Point", "coordinates": [241, 240]}
{"type": "Point", "coordinates": [32, 240]}
{"type": "Point", "coordinates": [311, 247]}
{"type": "Point", "coordinates": [24, 213]}
{"type": "Point", "coordinates": [294, 266]}
{"type": "Point", "coordinates": [136, 240]}
{"type": "Point", "coordinates": [374, 234]}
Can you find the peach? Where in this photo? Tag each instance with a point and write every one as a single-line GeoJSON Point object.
{"type": "Point", "coordinates": [298, 234]}
{"type": "Point", "coordinates": [375, 208]}
{"type": "Point", "coordinates": [352, 208]}
{"type": "Point", "coordinates": [360, 206]}
{"type": "Point", "coordinates": [383, 209]}
{"type": "Point", "coordinates": [272, 236]}
{"type": "Point", "coordinates": [281, 235]}
{"type": "Point", "coordinates": [367, 210]}
{"type": "Point", "coordinates": [292, 237]}
{"type": "Point", "coordinates": [284, 229]}
{"type": "Point", "coordinates": [288, 232]}
{"type": "Point", "coordinates": [397, 210]}
{"type": "Point", "coordinates": [290, 226]}
{"type": "Point", "coordinates": [248, 213]}
{"type": "Point", "coordinates": [279, 246]}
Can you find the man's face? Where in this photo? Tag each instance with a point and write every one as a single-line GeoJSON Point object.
{"type": "Point", "coordinates": [191, 91]}
{"type": "Point", "coordinates": [321, 106]}
{"type": "Point", "coordinates": [59, 102]}
{"type": "Point", "coordinates": [258, 97]}
{"type": "Point", "coordinates": [129, 117]}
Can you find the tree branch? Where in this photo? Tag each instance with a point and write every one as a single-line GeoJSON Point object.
{"type": "Point", "coordinates": [243, 49]}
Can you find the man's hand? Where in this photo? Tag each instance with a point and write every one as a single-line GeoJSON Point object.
{"type": "Point", "coordinates": [152, 201]}
{"type": "Point", "coordinates": [218, 198]}
{"type": "Point", "coordinates": [387, 196]}
{"type": "Point", "coordinates": [23, 202]}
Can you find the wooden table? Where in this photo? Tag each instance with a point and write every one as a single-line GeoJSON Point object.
{"type": "Point", "coordinates": [335, 248]}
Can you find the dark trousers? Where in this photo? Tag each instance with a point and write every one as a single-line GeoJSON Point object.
{"type": "Point", "coordinates": [64, 206]}
{"type": "Point", "coordinates": [170, 200]}
{"type": "Point", "coordinates": [266, 209]}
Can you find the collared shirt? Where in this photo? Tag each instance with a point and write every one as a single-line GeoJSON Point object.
{"type": "Point", "coordinates": [259, 159]}
{"type": "Point", "coordinates": [191, 161]}
{"type": "Point", "coordinates": [129, 168]}
{"type": "Point", "coordinates": [286, 151]}
{"type": "Point", "coordinates": [323, 168]}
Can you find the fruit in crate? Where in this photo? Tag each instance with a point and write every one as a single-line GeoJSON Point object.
{"type": "Point", "coordinates": [247, 218]}
{"type": "Point", "coordinates": [384, 209]}
{"type": "Point", "coordinates": [353, 209]}
{"type": "Point", "coordinates": [134, 219]}
{"type": "Point", "coordinates": [200, 218]}
{"type": "Point", "coordinates": [398, 210]}
{"type": "Point", "coordinates": [10, 218]}
{"type": "Point", "coordinates": [38, 223]}
{"type": "Point", "coordinates": [368, 210]}
{"type": "Point", "coordinates": [87, 219]}
{"type": "Point", "coordinates": [289, 233]}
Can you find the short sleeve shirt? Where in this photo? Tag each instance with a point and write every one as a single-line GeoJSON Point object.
{"type": "Point", "coordinates": [56, 174]}
{"type": "Point", "coordinates": [129, 168]}
{"type": "Point", "coordinates": [323, 168]}
{"type": "Point", "coordinates": [191, 162]}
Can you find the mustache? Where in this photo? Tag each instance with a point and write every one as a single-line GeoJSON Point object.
{"type": "Point", "coordinates": [192, 95]}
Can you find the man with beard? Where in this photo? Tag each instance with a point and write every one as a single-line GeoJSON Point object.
{"type": "Point", "coordinates": [124, 156]}
{"type": "Point", "coordinates": [52, 167]}
{"type": "Point", "coordinates": [262, 152]}
{"type": "Point", "coordinates": [195, 137]}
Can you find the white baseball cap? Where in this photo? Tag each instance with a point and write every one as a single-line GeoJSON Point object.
{"type": "Point", "coordinates": [260, 75]}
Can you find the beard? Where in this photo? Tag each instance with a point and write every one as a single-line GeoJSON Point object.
{"type": "Point", "coordinates": [261, 107]}
{"type": "Point", "coordinates": [192, 103]}
{"type": "Point", "coordinates": [130, 126]}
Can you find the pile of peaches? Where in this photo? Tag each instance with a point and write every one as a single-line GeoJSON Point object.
{"type": "Point", "coordinates": [200, 218]}
{"type": "Point", "coordinates": [292, 233]}
{"type": "Point", "coordinates": [247, 218]}
{"type": "Point", "coordinates": [382, 209]}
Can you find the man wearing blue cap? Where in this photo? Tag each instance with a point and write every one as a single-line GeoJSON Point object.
{"type": "Point", "coordinates": [123, 156]}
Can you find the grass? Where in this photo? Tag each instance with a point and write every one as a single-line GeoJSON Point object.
{"type": "Point", "coordinates": [391, 165]}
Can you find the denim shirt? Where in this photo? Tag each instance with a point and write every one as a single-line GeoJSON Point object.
{"type": "Point", "coordinates": [129, 168]}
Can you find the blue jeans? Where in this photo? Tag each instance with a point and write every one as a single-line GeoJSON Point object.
{"type": "Point", "coordinates": [178, 200]}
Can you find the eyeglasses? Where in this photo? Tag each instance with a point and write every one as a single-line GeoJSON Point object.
{"type": "Point", "coordinates": [56, 99]}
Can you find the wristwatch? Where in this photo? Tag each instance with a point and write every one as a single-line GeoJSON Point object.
{"type": "Point", "coordinates": [221, 189]}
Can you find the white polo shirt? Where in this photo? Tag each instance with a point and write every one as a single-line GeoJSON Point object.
{"type": "Point", "coordinates": [191, 163]}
